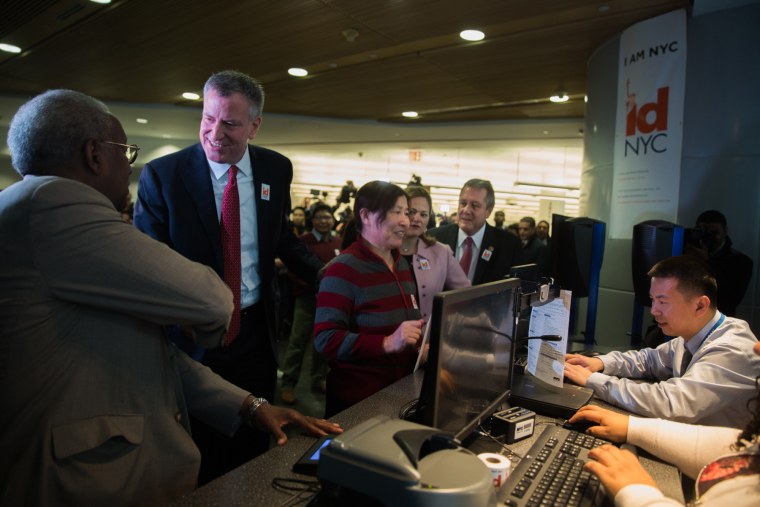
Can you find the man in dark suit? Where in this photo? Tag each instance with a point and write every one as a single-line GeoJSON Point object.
{"type": "Point", "coordinates": [533, 250]}
{"type": "Point", "coordinates": [492, 251]}
{"type": "Point", "coordinates": [224, 187]}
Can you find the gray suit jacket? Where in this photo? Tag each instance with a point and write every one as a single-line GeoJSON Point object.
{"type": "Point", "coordinates": [95, 399]}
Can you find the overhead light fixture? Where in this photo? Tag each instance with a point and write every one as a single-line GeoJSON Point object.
{"type": "Point", "coordinates": [472, 35]}
{"type": "Point", "coordinates": [410, 114]}
{"type": "Point", "coordinates": [350, 34]}
{"type": "Point", "coordinates": [104, 2]}
{"type": "Point", "coordinates": [10, 48]}
{"type": "Point", "coordinates": [559, 97]}
{"type": "Point", "coordinates": [298, 72]}
{"type": "Point", "coordinates": [190, 96]}
{"type": "Point", "coordinates": [141, 121]}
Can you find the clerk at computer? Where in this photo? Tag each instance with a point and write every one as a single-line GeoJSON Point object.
{"type": "Point", "coordinates": [705, 375]}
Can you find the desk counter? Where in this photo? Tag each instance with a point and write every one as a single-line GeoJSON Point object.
{"type": "Point", "coordinates": [251, 484]}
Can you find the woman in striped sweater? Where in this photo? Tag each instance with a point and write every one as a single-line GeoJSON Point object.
{"type": "Point", "coordinates": [368, 320]}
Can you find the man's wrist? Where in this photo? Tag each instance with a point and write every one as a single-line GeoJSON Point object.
{"type": "Point", "coordinates": [253, 404]}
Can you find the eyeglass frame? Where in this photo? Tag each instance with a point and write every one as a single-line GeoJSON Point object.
{"type": "Point", "coordinates": [135, 149]}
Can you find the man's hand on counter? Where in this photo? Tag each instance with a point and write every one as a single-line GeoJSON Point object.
{"type": "Point", "coordinates": [272, 419]}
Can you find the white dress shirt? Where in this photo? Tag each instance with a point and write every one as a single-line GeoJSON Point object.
{"type": "Point", "coordinates": [250, 280]}
{"type": "Point", "coordinates": [477, 240]}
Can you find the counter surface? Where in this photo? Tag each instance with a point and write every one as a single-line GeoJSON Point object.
{"type": "Point", "coordinates": [251, 484]}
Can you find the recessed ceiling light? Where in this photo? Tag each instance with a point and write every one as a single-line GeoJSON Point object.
{"type": "Point", "coordinates": [560, 97]}
{"type": "Point", "coordinates": [547, 132]}
{"type": "Point", "coordinates": [410, 114]}
{"type": "Point", "coordinates": [298, 72]}
{"type": "Point", "coordinates": [472, 35]}
{"type": "Point", "coordinates": [10, 48]}
{"type": "Point", "coordinates": [190, 96]}
{"type": "Point", "coordinates": [142, 121]}
{"type": "Point", "coordinates": [104, 2]}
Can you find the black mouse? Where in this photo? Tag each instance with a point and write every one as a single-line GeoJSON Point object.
{"type": "Point", "coordinates": [580, 426]}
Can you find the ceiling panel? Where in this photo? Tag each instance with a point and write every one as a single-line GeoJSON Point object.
{"type": "Point", "coordinates": [407, 54]}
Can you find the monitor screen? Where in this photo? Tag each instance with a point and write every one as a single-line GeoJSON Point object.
{"type": "Point", "coordinates": [469, 368]}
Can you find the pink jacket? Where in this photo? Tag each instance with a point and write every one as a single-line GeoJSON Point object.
{"type": "Point", "coordinates": [435, 269]}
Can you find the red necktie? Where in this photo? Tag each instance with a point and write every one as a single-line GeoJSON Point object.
{"type": "Point", "coordinates": [230, 228]}
{"type": "Point", "coordinates": [466, 258]}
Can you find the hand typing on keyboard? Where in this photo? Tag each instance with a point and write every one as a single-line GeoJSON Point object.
{"type": "Point", "coordinates": [604, 423]}
{"type": "Point", "coordinates": [552, 473]}
{"type": "Point", "coordinates": [617, 468]}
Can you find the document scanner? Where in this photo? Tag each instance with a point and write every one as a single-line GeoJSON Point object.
{"type": "Point", "coordinates": [395, 462]}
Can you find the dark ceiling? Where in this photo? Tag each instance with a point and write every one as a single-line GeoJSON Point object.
{"type": "Point", "coordinates": [407, 55]}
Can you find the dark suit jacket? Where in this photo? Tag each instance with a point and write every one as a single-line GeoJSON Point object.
{"type": "Point", "coordinates": [504, 247]}
{"type": "Point", "coordinates": [175, 205]}
{"type": "Point", "coordinates": [535, 252]}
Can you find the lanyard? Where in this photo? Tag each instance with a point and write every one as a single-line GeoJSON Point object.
{"type": "Point", "coordinates": [715, 326]}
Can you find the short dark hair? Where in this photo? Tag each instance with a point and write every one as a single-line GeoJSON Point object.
{"type": "Point", "coordinates": [543, 222]}
{"type": "Point", "coordinates": [693, 275]}
{"type": "Point", "coordinates": [298, 207]}
{"type": "Point", "coordinates": [479, 184]}
{"type": "Point", "coordinates": [322, 207]}
{"type": "Point", "coordinates": [377, 196]}
{"type": "Point", "coordinates": [530, 220]}
{"type": "Point", "coordinates": [227, 82]}
{"type": "Point", "coordinates": [712, 216]}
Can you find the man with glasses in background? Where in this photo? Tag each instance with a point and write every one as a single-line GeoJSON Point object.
{"type": "Point", "coordinates": [95, 398]}
{"type": "Point", "coordinates": [224, 203]}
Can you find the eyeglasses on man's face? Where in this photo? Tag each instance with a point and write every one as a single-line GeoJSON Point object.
{"type": "Point", "coordinates": [130, 150]}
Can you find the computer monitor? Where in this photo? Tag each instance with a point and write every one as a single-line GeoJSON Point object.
{"type": "Point", "coordinates": [469, 369]}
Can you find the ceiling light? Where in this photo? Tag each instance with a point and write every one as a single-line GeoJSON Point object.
{"type": "Point", "coordinates": [141, 121]}
{"type": "Point", "coordinates": [190, 96]}
{"type": "Point", "coordinates": [559, 97]}
{"type": "Point", "coordinates": [410, 114]}
{"type": "Point", "coordinates": [350, 34]}
{"type": "Point", "coordinates": [10, 48]}
{"type": "Point", "coordinates": [472, 35]}
{"type": "Point", "coordinates": [298, 72]}
{"type": "Point", "coordinates": [104, 2]}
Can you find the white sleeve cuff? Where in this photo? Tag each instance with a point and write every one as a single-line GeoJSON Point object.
{"type": "Point", "coordinates": [642, 495]}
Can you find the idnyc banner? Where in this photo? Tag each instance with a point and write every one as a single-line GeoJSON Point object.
{"type": "Point", "coordinates": [649, 124]}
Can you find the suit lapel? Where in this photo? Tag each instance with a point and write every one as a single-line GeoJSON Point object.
{"type": "Point", "coordinates": [482, 264]}
{"type": "Point", "coordinates": [197, 180]}
{"type": "Point", "coordinates": [261, 184]}
{"type": "Point", "coordinates": [452, 239]}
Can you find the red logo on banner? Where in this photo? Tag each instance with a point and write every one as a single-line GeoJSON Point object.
{"type": "Point", "coordinates": [645, 119]}
{"type": "Point", "coordinates": [649, 117]}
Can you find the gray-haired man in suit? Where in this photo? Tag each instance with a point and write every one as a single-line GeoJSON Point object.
{"type": "Point", "coordinates": [95, 398]}
{"type": "Point", "coordinates": [492, 251]}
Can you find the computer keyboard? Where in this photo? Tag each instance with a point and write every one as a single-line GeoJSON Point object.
{"type": "Point", "coordinates": [551, 473]}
